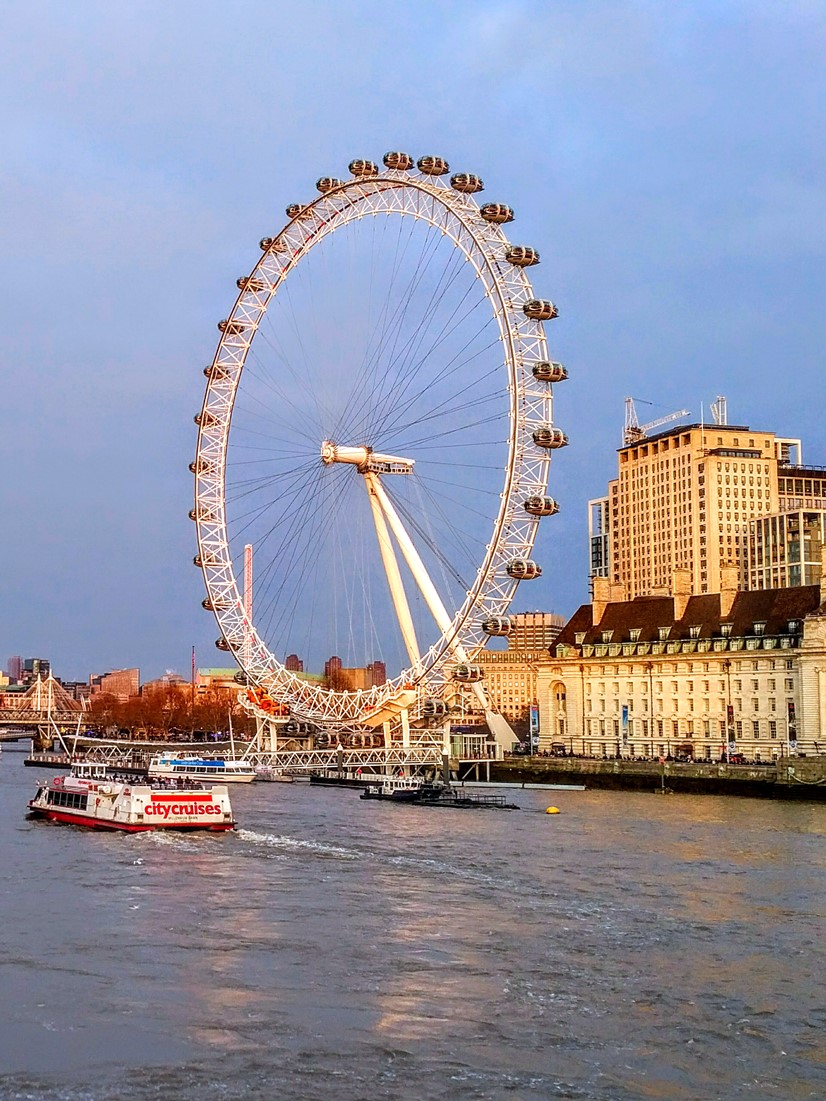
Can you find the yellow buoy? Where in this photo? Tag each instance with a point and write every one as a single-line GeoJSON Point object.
{"type": "Point", "coordinates": [552, 810]}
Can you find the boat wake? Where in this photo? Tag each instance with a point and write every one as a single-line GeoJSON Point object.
{"type": "Point", "coordinates": [286, 844]}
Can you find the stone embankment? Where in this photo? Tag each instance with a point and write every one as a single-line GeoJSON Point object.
{"type": "Point", "coordinates": [788, 778]}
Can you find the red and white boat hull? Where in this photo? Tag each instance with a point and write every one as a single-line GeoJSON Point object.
{"type": "Point", "coordinates": [112, 805]}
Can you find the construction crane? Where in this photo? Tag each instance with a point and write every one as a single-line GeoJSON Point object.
{"type": "Point", "coordinates": [633, 431]}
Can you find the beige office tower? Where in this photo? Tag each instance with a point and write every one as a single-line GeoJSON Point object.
{"type": "Point", "coordinates": [684, 500]}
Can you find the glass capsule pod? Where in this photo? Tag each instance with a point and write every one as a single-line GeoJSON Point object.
{"type": "Point", "coordinates": [198, 561]}
{"type": "Point", "coordinates": [202, 514]}
{"type": "Point", "coordinates": [540, 506]}
{"type": "Point", "coordinates": [498, 626]}
{"type": "Point", "coordinates": [549, 372]}
{"type": "Point", "coordinates": [540, 309]}
{"type": "Point", "coordinates": [523, 569]}
{"type": "Point", "coordinates": [327, 183]}
{"type": "Point", "coordinates": [215, 371]}
{"type": "Point", "coordinates": [241, 677]}
{"type": "Point", "coordinates": [497, 213]}
{"type": "Point", "coordinates": [272, 244]}
{"type": "Point", "coordinates": [400, 161]}
{"type": "Point", "coordinates": [360, 169]}
{"type": "Point", "coordinates": [522, 255]}
{"type": "Point", "coordinates": [433, 166]}
{"type": "Point", "coordinates": [435, 709]}
{"type": "Point", "coordinates": [211, 605]}
{"type": "Point", "coordinates": [467, 183]}
{"type": "Point", "coordinates": [466, 673]}
{"type": "Point", "coordinates": [297, 210]}
{"type": "Point", "coordinates": [247, 283]}
{"type": "Point", "coordinates": [233, 328]}
{"type": "Point", "coordinates": [222, 644]}
{"type": "Point", "coordinates": [205, 419]}
{"type": "Point", "coordinates": [548, 436]}
{"type": "Point", "coordinates": [322, 740]}
{"type": "Point", "coordinates": [202, 466]}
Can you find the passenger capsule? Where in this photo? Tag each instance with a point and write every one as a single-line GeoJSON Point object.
{"type": "Point", "coordinates": [198, 561]}
{"type": "Point", "coordinates": [205, 419]}
{"type": "Point", "coordinates": [202, 514]}
{"type": "Point", "coordinates": [433, 166]}
{"type": "Point", "coordinates": [272, 244]}
{"type": "Point", "coordinates": [498, 626]}
{"type": "Point", "coordinates": [540, 506]}
{"type": "Point", "coordinates": [211, 605]}
{"type": "Point", "coordinates": [241, 677]}
{"type": "Point", "coordinates": [222, 644]}
{"type": "Point", "coordinates": [215, 371]}
{"type": "Point", "coordinates": [327, 183]}
{"type": "Point", "coordinates": [201, 466]}
{"type": "Point", "coordinates": [468, 674]}
{"type": "Point", "coordinates": [435, 709]}
{"type": "Point", "coordinates": [297, 210]}
{"type": "Point", "coordinates": [206, 560]}
{"type": "Point", "coordinates": [540, 309]}
{"type": "Point", "coordinates": [247, 283]}
{"type": "Point", "coordinates": [549, 372]}
{"type": "Point", "coordinates": [523, 569]}
{"type": "Point", "coordinates": [231, 328]}
{"type": "Point", "coordinates": [466, 183]}
{"type": "Point", "coordinates": [522, 256]}
{"type": "Point", "coordinates": [548, 436]}
{"type": "Point", "coordinates": [497, 213]}
{"type": "Point", "coordinates": [360, 169]}
{"type": "Point", "coordinates": [400, 161]}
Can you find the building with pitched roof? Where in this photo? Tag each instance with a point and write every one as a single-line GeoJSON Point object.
{"type": "Point", "coordinates": [683, 675]}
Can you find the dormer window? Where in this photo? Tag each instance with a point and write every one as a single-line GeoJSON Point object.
{"type": "Point", "coordinates": [634, 634]}
{"type": "Point", "coordinates": [794, 626]}
{"type": "Point", "coordinates": [725, 630]}
{"type": "Point", "coordinates": [694, 630]}
{"type": "Point", "coordinates": [760, 627]}
{"type": "Point", "coordinates": [664, 632]}
{"type": "Point", "coordinates": [607, 636]}
{"type": "Point", "coordinates": [579, 637]}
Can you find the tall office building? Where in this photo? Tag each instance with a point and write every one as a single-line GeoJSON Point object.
{"type": "Point", "coordinates": [685, 500]}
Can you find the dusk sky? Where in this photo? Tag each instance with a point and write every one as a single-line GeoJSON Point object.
{"type": "Point", "coordinates": [667, 160]}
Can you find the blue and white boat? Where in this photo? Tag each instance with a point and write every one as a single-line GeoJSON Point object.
{"type": "Point", "coordinates": [175, 766]}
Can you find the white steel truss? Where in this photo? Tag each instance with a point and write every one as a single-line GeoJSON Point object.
{"type": "Point", "coordinates": [506, 285]}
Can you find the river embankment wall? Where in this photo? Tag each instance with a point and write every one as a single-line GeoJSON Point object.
{"type": "Point", "coordinates": [787, 778]}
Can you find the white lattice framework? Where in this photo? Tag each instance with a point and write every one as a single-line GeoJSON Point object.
{"type": "Point", "coordinates": [406, 194]}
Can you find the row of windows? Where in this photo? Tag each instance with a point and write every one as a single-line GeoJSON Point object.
{"type": "Point", "coordinates": [677, 728]}
{"type": "Point", "coordinates": [69, 799]}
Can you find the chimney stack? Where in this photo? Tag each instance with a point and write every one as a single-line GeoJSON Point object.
{"type": "Point", "coordinates": [729, 581]}
{"type": "Point", "coordinates": [681, 591]}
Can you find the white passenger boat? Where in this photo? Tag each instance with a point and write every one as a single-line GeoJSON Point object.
{"type": "Point", "coordinates": [175, 766]}
{"type": "Point", "coordinates": [89, 797]}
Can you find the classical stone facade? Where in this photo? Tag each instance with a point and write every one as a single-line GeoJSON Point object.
{"type": "Point", "coordinates": [695, 676]}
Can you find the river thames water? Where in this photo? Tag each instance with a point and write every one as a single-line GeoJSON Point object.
{"type": "Point", "coordinates": [632, 947]}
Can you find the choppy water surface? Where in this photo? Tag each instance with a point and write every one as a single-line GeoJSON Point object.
{"type": "Point", "coordinates": [632, 947]}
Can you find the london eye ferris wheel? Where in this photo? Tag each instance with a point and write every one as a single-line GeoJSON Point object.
{"type": "Point", "coordinates": [377, 426]}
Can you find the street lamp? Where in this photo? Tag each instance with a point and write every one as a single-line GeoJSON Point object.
{"type": "Point", "coordinates": [729, 708]}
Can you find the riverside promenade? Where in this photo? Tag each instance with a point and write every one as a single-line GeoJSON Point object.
{"type": "Point", "coordinates": [787, 778]}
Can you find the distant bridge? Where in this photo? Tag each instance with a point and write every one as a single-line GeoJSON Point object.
{"type": "Point", "coordinates": [41, 712]}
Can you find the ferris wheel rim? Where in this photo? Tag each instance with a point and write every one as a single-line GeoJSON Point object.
{"type": "Point", "coordinates": [508, 290]}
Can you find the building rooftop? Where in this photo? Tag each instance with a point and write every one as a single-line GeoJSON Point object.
{"type": "Point", "coordinates": [774, 608]}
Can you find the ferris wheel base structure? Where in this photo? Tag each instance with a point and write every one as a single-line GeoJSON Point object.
{"type": "Point", "coordinates": [487, 397]}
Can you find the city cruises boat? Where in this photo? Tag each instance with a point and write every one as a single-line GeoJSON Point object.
{"type": "Point", "coordinates": [175, 766]}
{"type": "Point", "coordinates": [427, 794]}
{"type": "Point", "coordinates": [90, 797]}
